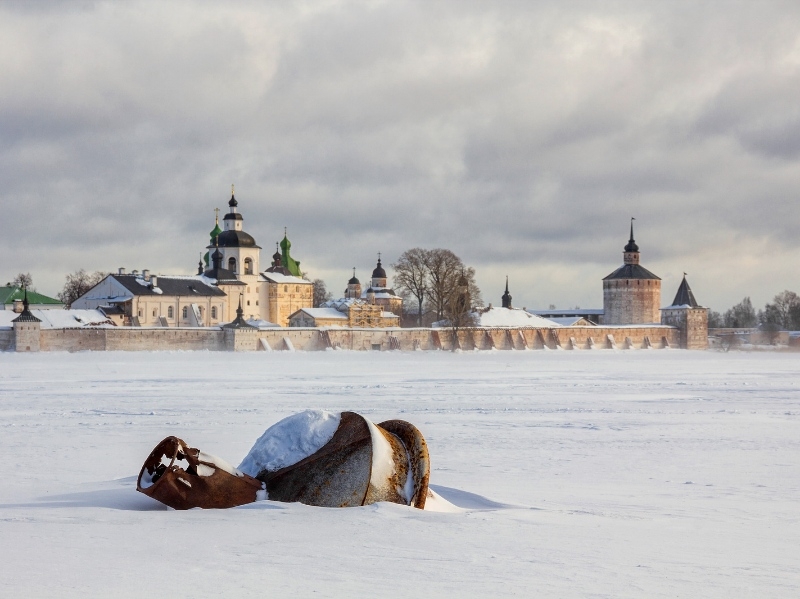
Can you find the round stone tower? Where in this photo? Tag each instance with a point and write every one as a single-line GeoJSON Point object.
{"type": "Point", "coordinates": [631, 294]}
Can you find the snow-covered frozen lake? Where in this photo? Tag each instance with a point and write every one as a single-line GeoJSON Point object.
{"type": "Point", "coordinates": [580, 474]}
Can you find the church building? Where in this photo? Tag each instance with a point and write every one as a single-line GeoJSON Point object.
{"type": "Point", "coordinates": [272, 295]}
{"type": "Point", "coordinates": [378, 293]}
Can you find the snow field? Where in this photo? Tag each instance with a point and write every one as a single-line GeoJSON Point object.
{"type": "Point", "coordinates": [578, 474]}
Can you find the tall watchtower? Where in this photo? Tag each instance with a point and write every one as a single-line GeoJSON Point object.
{"type": "Point", "coordinates": [631, 294]}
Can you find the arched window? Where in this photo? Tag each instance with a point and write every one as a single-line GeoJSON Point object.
{"type": "Point", "coordinates": [170, 312]}
{"type": "Point", "coordinates": [248, 266]}
{"type": "Point", "coordinates": [185, 312]}
{"type": "Point", "coordinates": [232, 264]}
{"type": "Point", "coordinates": [213, 312]}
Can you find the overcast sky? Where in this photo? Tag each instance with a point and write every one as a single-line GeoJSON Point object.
{"type": "Point", "coordinates": [521, 135]}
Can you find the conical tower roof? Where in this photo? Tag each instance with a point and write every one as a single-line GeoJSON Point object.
{"type": "Point", "coordinates": [685, 297]}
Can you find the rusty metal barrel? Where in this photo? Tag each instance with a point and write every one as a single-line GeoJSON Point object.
{"type": "Point", "coordinates": [362, 463]}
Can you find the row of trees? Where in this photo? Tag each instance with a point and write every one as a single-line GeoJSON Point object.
{"type": "Point", "coordinates": [783, 313]}
{"type": "Point", "coordinates": [439, 282]}
{"type": "Point", "coordinates": [77, 283]}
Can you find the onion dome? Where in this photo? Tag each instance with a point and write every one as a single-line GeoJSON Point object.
{"type": "Point", "coordinates": [354, 280]}
{"type": "Point", "coordinates": [235, 239]}
{"type": "Point", "coordinates": [286, 259]}
{"type": "Point", "coordinates": [379, 273]}
{"type": "Point", "coordinates": [631, 247]}
{"type": "Point", "coordinates": [232, 204]}
{"type": "Point", "coordinates": [215, 231]}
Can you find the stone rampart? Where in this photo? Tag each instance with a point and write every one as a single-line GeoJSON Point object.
{"type": "Point", "coordinates": [6, 339]}
{"type": "Point", "coordinates": [314, 339]}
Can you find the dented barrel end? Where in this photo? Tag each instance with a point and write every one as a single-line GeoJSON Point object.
{"type": "Point", "coordinates": [183, 478]}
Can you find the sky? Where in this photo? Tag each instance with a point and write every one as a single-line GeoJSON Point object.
{"type": "Point", "coordinates": [523, 136]}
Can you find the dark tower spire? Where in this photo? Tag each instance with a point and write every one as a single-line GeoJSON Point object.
{"type": "Point", "coordinates": [507, 296]}
{"type": "Point", "coordinates": [631, 251]}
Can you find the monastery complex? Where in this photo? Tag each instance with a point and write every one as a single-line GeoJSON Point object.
{"type": "Point", "coordinates": [232, 303]}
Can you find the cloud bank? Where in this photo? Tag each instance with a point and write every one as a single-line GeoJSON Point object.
{"type": "Point", "coordinates": [521, 137]}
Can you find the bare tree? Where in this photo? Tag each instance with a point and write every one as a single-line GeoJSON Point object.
{"type": "Point", "coordinates": [715, 320]}
{"type": "Point", "coordinates": [729, 341]}
{"type": "Point", "coordinates": [78, 283]}
{"type": "Point", "coordinates": [321, 293]}
{"type": "Point", "coordinates": [782, 311]}
{"type": "Point", "coordinates": [411, 276]}
{"type": "Point", "coordinates": [458, 307]}
{"type": "Point", "coordinates": [741, 316]}
{"type": "Point", "coordinates": [444, 268]}
{"type": "Point", "coordinates": [23, 279]}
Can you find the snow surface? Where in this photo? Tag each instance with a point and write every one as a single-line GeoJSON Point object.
{"type": "Point", "coordinates": [292, 439]}
{"type": "Point", "coordinates": [573, 474]}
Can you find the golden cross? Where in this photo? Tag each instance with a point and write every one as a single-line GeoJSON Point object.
{"type": "Point", "coordinates": [216, 215]}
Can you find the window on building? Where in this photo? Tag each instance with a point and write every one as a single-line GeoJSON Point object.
{"type": "Point", "coordinates": [232, 264]}
{"type": "Point", "coordinates": [297, 288]}
{"type": "Point", "coordinates": [170, 312]}
{"type": "Point", "coordinates": [155, 313]}
{"type": "Point", "coordinates": [248, 302]}
{"type": "Point", "coordinates": [213, 312]}
{"type": "Point", "coordinates": [185, 312]}
{"type": "Point", "coordinates": [140, 312]}
{"type": "Point", "coordinates": [285, 288]}
{"type": "Point", "coordinates": [248, 266]}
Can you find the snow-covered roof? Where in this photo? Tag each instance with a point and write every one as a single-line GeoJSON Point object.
{"type": "Point", "coordinates": [61, 319]}
{"type": "Point", "coordinates": [568, 321]}
{"type": "Point", "coordinates": [261, 324]}
{"type": "Point", "coordinates": [343, 303]}
{"type": "Point", "coordinates": [277, 277]}
{"type": "Point", "coordinates": [326, 313]}
{"type": "Point", "coordinates": [575, 312]}
{"type": "Point", "coordinates": [180, 285]}
{"type": "Point", "coordinates": [513, 317]}
{"type": "Point", "coordinates": [381, 293]}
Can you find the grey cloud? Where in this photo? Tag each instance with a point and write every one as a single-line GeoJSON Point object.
{"type": "Point", "coordinates": [522, 137]}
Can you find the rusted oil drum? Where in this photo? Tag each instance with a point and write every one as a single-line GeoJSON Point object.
{"type": "Point", "coordinates": [184, 478]}
{"type": "Point", "coordinates": [362, 463]}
